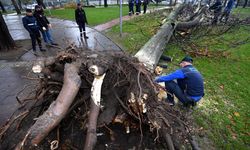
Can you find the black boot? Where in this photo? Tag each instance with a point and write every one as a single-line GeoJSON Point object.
{"type": "Point", "coordinates": [81, 34]}
{"type": "Point", "coordinates": [85, 36]}
{"type": "Point", "coordinates": [41, 49]}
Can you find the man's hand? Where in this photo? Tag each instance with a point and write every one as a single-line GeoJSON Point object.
{"type": "Point", "coordinates": [49, 25]}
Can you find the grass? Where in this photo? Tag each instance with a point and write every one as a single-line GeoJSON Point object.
{"type": "Point", "coordinates": [95, 16]}
{"type": "Point", "coordinates": [223, 114]}
{"type": "Point", "coordinates": [137, 31]}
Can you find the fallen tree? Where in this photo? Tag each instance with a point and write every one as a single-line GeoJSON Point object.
{"type": "Point", "coordinates": [96, 89]}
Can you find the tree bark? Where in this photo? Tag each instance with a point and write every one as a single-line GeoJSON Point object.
{"type": "Point", "coordinates": [41, 3]}
{"type": "Point", "coordinates": [58, 109]}
{"type": "Point", "coordinates": [6, 41]}
{"type": "Point", "coordinates": [105, 3]}
{"type": "Point", "coordinates": [20, 4]}
{"type": "Point", "coordinates": [91, 137]}
{"type": "Point", "coordinates": [2, 7]}
{"type": "Point", "coordinates": [151, 52]}
{"type": "Point", "coordinates": [16, 7]}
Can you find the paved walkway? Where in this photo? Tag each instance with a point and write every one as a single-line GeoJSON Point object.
{"type": "Point", "coordinates": [12, 73]}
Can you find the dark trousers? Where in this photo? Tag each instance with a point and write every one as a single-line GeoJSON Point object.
{"type": "Point", "coordinates": [35, 36]}
{"type": "Point", "coordinates": [138, 8]}
{"type": "Point", "coordinates": [131, 8]}
{"type": "Point", "coordinates": [177, 89]}
{"type": "Point", "coordinates": [81, 26]}
{"type": "Point", "coordinates": [144, 8]}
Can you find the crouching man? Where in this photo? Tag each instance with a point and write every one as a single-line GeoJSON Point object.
{"type": "Point", "coordinates": [189, 87]}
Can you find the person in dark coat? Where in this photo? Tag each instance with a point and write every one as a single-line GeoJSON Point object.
{"type": "Point", "coordinates": [227, 10]}
{"type": "Point", "coordinates": [138, 6]}
{"type": "Point", "coordinates": [44, 25]}
{"type": "Point", "coordinates": [145, 5]}
{"type": "Point", "coordinates": [217, 7]}
{"type": "Point", "coordinates": [30, 24]}
{"type": "Point", "coordinates": [81, 19]}
{"type": "Point", "coordinates": [189, 87]}
{"type": "Point", "coordinates": [131, 7]}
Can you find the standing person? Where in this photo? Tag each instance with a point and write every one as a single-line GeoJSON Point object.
{"type": "Point", "coordinates": [189, 88]}
{"type": "Point", "coordinates": [227, 10]}
{"type": "Point", "coordinates": [81, 19]}
{"type": "Point", "coordinates": [217, 7]}
{"type": "Point", "coordinates": [138, 6]}
{"type": "Point", "coordinates": [145, 5]}
{"type": "Point", "coordinates": [30, 24]}
{"type": "Point", "coordinates": [131, 7]}
{"type": "Point", "coordinates": [44, 25]}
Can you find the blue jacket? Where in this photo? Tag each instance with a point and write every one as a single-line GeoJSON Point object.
{"type": "Point", "coordinates": [30, 24]}
{"type": "Point", "coordinates": [191, 78]}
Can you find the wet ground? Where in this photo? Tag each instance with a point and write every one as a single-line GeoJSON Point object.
{"type": "Point", "coordinates": [13, 72]}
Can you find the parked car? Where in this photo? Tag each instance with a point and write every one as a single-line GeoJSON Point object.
{"type": "Point", "coordinates": [31, 6]}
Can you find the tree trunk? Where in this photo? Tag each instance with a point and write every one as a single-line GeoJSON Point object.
{"type": "Point", "coordinates": [16, 7]}
{"type": "Point", "coordinates": [58, 109]}
{"type": "Point", "coordinates": [20, 4]}
{"type": "Point", "coordinates": [151, 52]}
{"type": "Point", "coordinates": [245, 4]}
{"type": "Point", "coordinates": [2, 7]}
{"type": "Point", "coordinates": [6, 41]}
{"type": "Point", "coordinates": [105, 3]}
{"type": "Point", "coordinates": [40, 3]}
{"type": "Point", "coordinates": [171, 2]}
{"type": "Point", "coordinates": [94, 112]}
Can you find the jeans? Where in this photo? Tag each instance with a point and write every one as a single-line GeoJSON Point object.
{"type": "Point", "coordinates": [177, 89]}
{"type": "Point", "coordinates": [47, 36]}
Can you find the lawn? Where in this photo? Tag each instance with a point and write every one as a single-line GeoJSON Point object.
{"type": "Point", "coordinates": [96, 15]}
{"type": "Point", "coordinates": [223, 114]}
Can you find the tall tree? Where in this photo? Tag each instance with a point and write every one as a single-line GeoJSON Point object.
{"type": "Point", "coordinates": [105, 3]}
{"type": "Point", "coordinates": [41, 3]}
{"type": "Point", "coordinates": [6, 41]}
{"type": "Point", "coordinates": [20, 4]}
{"type": "Point", "coordinates": [16, 7]}
{"type": "Point", "coordinates": [1, 5]}
{"type": "Point", "coordinates": [245, 4]}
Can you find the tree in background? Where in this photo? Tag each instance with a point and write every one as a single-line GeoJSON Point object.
{"type": "Point", "coordinates": [6, 41]}
{"type": "Point", "coordinates": [105, 3]}
{"type": "Point", "coordinates": [20, 4]}
{"type": "Point", "coordinates": [16, 7]}
{"type": "Point", "coordinates": [40, 3]}
{"type": "Point", "coordinates": [1, 5]}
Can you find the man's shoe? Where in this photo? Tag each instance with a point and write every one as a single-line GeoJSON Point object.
{"type": "Point", "coordinates": [55, 44]}
{"type": "Point", "coordinates": [42, 50]}
{"type": "Point", "coordinates": [86, 37]}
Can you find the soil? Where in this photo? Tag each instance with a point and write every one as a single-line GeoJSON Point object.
{"type": "Point", "coordinates": [22, 46]}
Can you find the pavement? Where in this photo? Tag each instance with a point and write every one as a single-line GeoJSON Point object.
{"type": "Point", "coordinates": [13, 73]}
